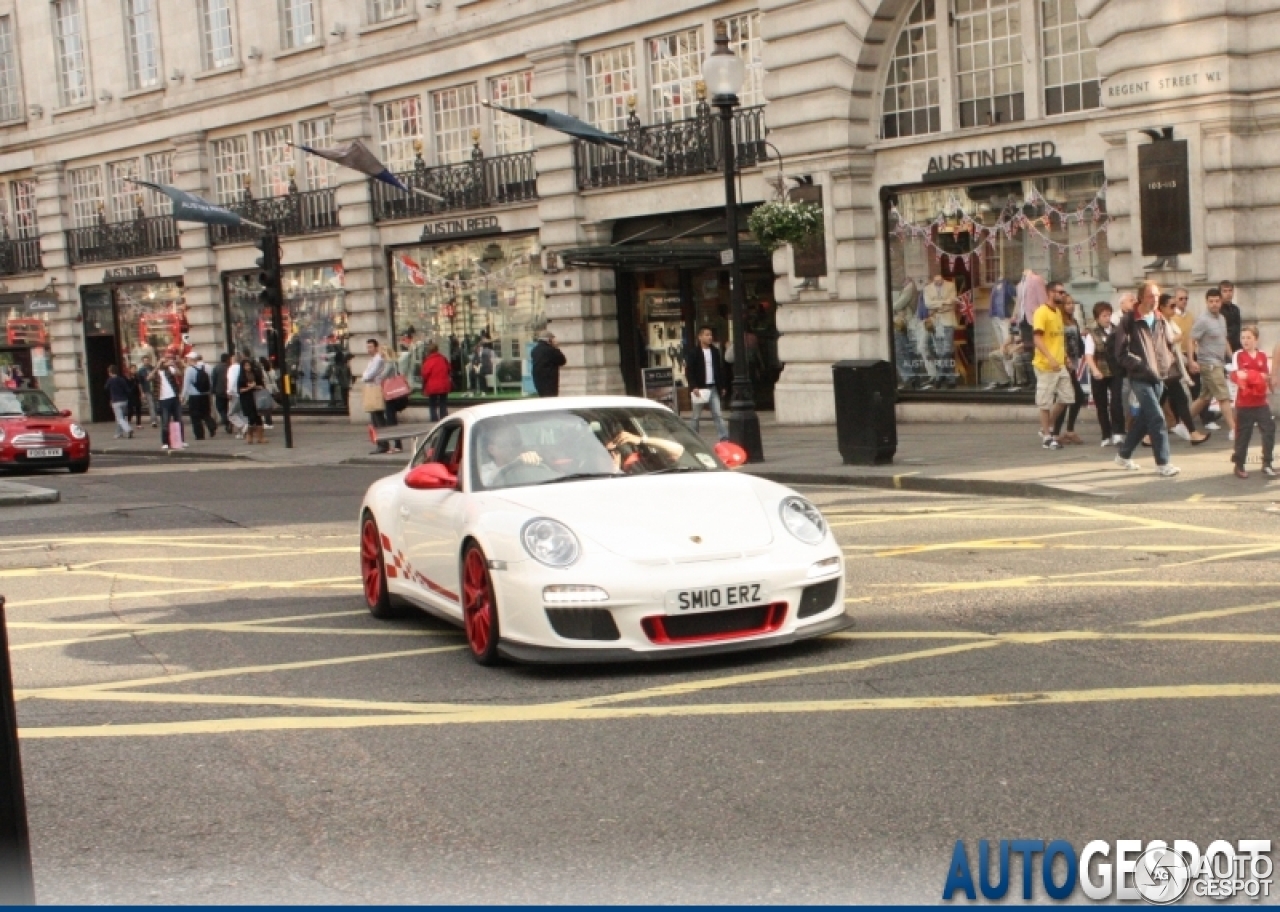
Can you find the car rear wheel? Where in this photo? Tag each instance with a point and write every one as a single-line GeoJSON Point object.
{"type": "Point", "coordinates": [479, 607]}
{"type": "Point", "coordinates": [79, 468]}
{"type": "Point", "coordinates": [373, 571]}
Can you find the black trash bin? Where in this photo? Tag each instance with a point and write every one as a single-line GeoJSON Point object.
{"type": "Point", "coordinates": [866, 424]}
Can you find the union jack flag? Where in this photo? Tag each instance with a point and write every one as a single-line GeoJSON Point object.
{"type": "Point", "coordinates": [966, 307]}
{"type": "Point", "coordinates": [412, 270]}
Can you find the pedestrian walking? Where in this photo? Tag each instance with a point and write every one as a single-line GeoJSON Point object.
{"type": "Point", "coordinates": [1231, 313]}
{"type": "Point", "coordinates": [436, 382]}
{"type": "Point", "coordinates": [235, 413]}
{"type": "Point", "coordinates": [704, 371]}
{"type": "Point", "coordinates": [144, 372]}
{"type": "Point", "coordinates": [1053, 380]}
{"type": "Point", "coordinates": [1251, 373]}
{"type": "Point", "coordinates": [374, 403]}
{"type": "Point", "coordinates": [1106, 383]}
{"type": "Point", "coordinates": [221, 401]}
{"type": "Point", "coordinates": [166, 389]}
{"type": "Point", "coordinates": [118, 393]}
{"type": "Point", "coordinates": [249, 383]}
{"type": "Point", "coordinates": [1175, 391]}
{"type": "Point", "coordinates": [1073, 343]}
{"type": "Point", "coordinates": [1210, 343]}
{"type": "Point", "coordinates": [197, 389]}
{"type": "Point", "coordinates": [1141, 345]}
{"type": "Point", "coordinates": [134, 413]}
{"type": "Point", "coordinates": [270, 382]}
{"type": "Point", "coordinates": [546, 360]}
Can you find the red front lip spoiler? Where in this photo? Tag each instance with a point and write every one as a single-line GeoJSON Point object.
{"type": "Point", "coordinates": [655, 628]}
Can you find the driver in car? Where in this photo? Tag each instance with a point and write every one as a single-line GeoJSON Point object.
{"type": "Point", "coordinates": [505, 452]}
{"type": "Point", "coordinates": [631, 452]}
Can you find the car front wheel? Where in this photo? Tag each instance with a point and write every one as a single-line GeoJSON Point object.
{"type": "Point", "coordinates": [479, 606]}
{"type": "Point", "coordinates": [373, 571]}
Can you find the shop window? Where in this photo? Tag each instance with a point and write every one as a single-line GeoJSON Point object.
{"type": "Point", "coordinates": [480, 301]}
{"type": "Point", "coordinates": [675, 66]}
{"type": "Point", "coordinates": [399, 131]}
{"type": "Point", "coordinates": [318, 134]}
{"type": "Point", "coordinates": [746, 43]}
{"type": "Point", "coordinates": [86, 195]}
{"type": "Point", "coordinates": [911, 105]}
{"type": "Point", "coordinates": [27, 343]}
{"type": "Point", "coordinates": [988, 38]}
{"type": "Point", "coordinates": [511, 134]}
{"type": "Point", "coordinates": [455, 114]}
{"type": "Point", "coordinates": [610, 79]}
{"type": "Point", "coordinates": [966, 263]}
{"type": "Point", "coordinates": [151, 317]}
{"type": "Point", "coordinates": [315, 331]}
{"type": "Point", "coordinates": [1070, 61]}
{"type": "Point", "coordinates": [230, 168]}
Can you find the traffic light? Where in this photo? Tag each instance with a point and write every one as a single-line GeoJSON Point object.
{"type": "Point", "coordinates": [269, 277]}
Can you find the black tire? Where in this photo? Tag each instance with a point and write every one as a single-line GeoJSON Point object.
{"type": "Point", "coordinates": [479, 607]}
{"type": "Point", "coordinates": [79, 468]}
{"type": "Point", "coordinates": [373, 572]}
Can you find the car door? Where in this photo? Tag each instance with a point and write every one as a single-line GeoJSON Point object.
{"type": "Point", "coordinates": [431, 523]}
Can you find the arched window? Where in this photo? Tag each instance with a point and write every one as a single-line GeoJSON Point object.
{"type": "Point", "coordinates": [1070, 61]}
{"type": "Point", "coordinates": [989, 61]}
{"type": "Point", "coordinates": [911, 105]}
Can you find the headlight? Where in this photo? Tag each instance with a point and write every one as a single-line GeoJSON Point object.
{"type": "Point", "coordinates": [76, 431]}
{"type": "Point", "coordinates": [1, 435]}
{"type": "Point", "coordinates": [803, 520]}
{"type": "Point", "coordinates": [549, 542]}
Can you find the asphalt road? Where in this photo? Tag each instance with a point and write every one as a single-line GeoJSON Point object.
{"type": "Point", "coordinates": [208, 714]}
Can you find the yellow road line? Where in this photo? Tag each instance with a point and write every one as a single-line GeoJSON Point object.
{"type": "Point", "coordinates": [1211, 614]}
{"type": "Point", "coordinates": [137, 630]}
{"type": "Point", "coordinates": [568, 712]}
{"type": "Point", "coordinates": [151, 559]}
{"type": "Point", "coordinates": [111, 696]}
{"type": "Point", "coordinates": [1026, 541]}
{"type": "Point", "coordinates": [337, 582]}
{"type": "Point", "coordinates": [1061, 635]}
{"type": "Point", "coordinates": [183, 677]}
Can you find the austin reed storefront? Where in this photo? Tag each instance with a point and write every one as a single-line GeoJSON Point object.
{"type": "Point", "coordinates": [969, 250]}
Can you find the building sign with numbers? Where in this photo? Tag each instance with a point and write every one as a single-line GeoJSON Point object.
{"type": "Point", "coordinates": [1164, 194]}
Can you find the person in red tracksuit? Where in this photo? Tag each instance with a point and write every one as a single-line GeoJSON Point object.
{"type": "Point", "coordinates": [1251, 373]}
{"type": "Point", "coordinates": [436, 384]}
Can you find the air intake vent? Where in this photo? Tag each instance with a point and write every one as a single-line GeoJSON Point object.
{"type": "Point", "coordinates": [715, 625]}
{"type": "Point", "coordinates": [583, 623]}
{"type": "Point", "coordinates": [819, 598]}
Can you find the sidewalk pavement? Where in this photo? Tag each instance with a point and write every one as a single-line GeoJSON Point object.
{"type": "Point", "coordinates": [966, 458]}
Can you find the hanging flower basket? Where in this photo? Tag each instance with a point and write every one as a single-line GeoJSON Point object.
{"type": "Point", "coordinates": [783, 222]}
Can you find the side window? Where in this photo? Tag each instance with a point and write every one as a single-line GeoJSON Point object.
{"type": "Point", "coordinates": [450, 452]}
{"type": "Point", "coordinates": [428, 449]}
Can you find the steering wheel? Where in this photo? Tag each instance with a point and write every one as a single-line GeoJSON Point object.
{"type": "Point", "coordinates": [517, 473]}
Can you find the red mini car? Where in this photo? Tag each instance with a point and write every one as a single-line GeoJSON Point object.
{"type": "Point", "coordinates": [35, 434]}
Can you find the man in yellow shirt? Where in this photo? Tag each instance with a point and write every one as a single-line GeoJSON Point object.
{"type": "Point", "coordinates": [1053, 383]}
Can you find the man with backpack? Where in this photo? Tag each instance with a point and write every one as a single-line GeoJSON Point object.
{"type": "Point", "coordinates": [197, 387]}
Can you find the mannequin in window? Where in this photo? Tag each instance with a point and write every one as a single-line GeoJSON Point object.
{"type": "Point", "coordinates": [940, 301]}
{"type": "Point", "coordinates": [906, 329]}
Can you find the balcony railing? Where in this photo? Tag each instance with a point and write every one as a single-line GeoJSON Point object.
{"type": "Point", "coordinates": [476, 184]}
{"type": "Point", "coordinates": [142, 237]}
{"type": "Point", "coordinates": [297, 212]}
{"type": "Point", "coordinates": [686, 148]}
{"type": "Point", "coordinates": [19, 255]}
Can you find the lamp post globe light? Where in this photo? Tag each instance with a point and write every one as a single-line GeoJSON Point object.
{"type": "Point", "coordinates": [724, 74]}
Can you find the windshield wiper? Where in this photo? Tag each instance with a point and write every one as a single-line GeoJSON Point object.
{"type": "Point", "coordinates": [580, 476]}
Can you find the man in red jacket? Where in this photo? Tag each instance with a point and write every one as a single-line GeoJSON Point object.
{"type": "Point", "coordinates": [436, 384]}
{"type": "Point", "coordinates": [1251, 373]}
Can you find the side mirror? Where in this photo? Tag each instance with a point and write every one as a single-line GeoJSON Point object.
{"type": "Point", "coordinates": [732, 455]}
{"type": "Point", "coordinates": [430, 476]}
{"type": "Point", "coordinates": [65, 413]}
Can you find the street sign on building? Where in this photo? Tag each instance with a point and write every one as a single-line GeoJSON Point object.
{"type": "Point", "coordinates": [1164, 194]}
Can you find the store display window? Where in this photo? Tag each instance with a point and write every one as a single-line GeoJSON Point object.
{"type": "Point", "coordinates": [969, 265]}
{"type": "Point", "coordinates": [151, 318]}
{"type": "Point", "coordinates": [26, 354]}
{"type": "Point", "coordinates": [316, 348]}
{"type": "Point", "coordinates": [481, 301]}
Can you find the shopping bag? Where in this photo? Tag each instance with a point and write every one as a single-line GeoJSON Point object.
{"type": "Point", "coordinates": [372, 398]}
{"type": "Point", "coordinates": [700, 396]}
{"type": "Point", "coordinates": [175, 434]}
{"type": "Point", "coordinates": [262, 400]}
{"type": "Point", "coordinates": [396, 387]}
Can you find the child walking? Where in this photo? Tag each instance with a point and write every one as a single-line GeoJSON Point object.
{"type": "Point", "coordinates": [1251, 373]}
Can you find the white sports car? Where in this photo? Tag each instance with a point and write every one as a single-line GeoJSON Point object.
{"type": "Point", "coordinates": [596, 529]}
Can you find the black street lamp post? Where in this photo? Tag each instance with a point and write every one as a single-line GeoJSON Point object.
{"type": "Point", "coordinates": [724, 74]}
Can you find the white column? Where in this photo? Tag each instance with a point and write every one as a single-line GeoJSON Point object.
{"type": "Point", "coordinates": [201, 284]}
{"type": "Point", "coordinates": [66, 329]}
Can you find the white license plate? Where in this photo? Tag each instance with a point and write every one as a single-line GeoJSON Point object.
{"type": "Point", "coordinates": [48, 453]}
{"type": "Point", "coordinates": [714, 598]}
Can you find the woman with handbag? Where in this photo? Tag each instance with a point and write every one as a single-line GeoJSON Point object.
{"type": "Point", "coordinates": [251, 386]}
{"type": "Point", "coordinates": [373, 400]}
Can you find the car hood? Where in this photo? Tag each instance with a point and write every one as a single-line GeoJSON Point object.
{"type": "Point", "coordinates": [693, 517]}
{"type": "Point", "coordinates": [15, 423]}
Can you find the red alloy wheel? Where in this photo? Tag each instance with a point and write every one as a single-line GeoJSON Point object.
{"type": "Point", "coordinates": [479, 607]}
{"type": "Point", "coordinates": [372, 572]}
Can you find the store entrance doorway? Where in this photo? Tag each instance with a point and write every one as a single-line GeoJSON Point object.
{"type": "Point", "coordinates": [99, 352]}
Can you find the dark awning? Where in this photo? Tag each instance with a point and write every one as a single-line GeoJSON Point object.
{"type": "Point", "coordinates": [670, 254]}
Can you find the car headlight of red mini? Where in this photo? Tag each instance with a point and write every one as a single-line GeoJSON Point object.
{"type": "Point", "coordinates": [549, 542]}
{"type": "Point", "coordinates": [78, 432]}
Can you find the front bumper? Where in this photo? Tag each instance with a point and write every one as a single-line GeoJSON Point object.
{"type": "Point", "coordinates": [635, 624]}
{"type": "Point", "coordinates": [74, 453]}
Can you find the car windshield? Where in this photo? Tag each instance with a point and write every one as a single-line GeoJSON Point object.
{"type": "Point", "coordinates": [534, 448]}
{"type": "Point", "coordinates": [16, 403]}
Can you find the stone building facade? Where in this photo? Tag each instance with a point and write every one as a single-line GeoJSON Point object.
{"type": "Point", "coordinates": [972, 139]}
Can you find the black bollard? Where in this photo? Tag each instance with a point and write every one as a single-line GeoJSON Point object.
{"type": "Point", "coordinates": [17, 886]}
